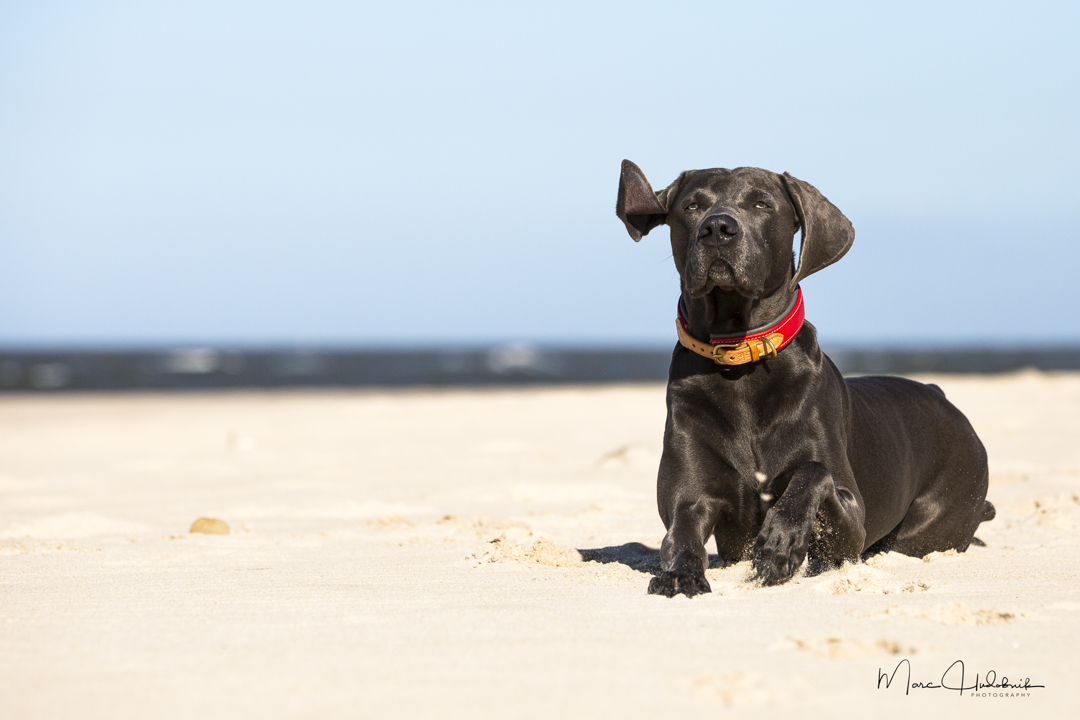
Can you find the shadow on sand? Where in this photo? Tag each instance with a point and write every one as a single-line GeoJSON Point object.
{"type": "Point", "coordinates": [636, 556]}
{"type": "Point", "coordinates": [644, 559]}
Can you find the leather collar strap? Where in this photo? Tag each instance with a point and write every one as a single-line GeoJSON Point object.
{"type": "Point", "coordinates": [758, 344]}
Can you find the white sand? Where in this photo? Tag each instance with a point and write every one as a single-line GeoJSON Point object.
{"type": "Point", "coordinates": [416, 554]}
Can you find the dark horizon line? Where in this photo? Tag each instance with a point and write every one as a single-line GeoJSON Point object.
{"type": "Point", "coordinates": [209, 368]}
{"type": "Point", "coordinates": [922, 345]}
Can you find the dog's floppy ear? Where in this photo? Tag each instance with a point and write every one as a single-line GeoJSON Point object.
{"type": "Point", "coordinates": [639, 207]}
{"type": "Point", "coordinates": [826, 234]}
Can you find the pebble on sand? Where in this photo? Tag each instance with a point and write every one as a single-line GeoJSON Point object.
{"type": "Point", "coordinates": [209, 526]}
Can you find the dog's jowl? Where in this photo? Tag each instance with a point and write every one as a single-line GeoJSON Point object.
{"type": "Point", "coordinates": [767, 447]}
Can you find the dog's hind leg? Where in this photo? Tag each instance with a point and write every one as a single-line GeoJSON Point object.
{"type": "Point", "coordinates": [932, 526]}
{"type": "Point", "coordinates": [948, 512]}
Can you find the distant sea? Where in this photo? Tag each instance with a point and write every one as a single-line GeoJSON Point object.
{"type": "Point", "coordinates": [193, 368]}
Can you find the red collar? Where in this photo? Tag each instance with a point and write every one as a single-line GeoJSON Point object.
{"type": "Point", "coordinates": [742, 348]}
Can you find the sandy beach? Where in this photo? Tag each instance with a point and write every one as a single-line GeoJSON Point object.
{"type": "Point", "coordinates": [451, 553]}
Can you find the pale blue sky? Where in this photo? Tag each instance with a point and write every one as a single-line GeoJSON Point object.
{"type": "Point", "coordinates": [275, 173]}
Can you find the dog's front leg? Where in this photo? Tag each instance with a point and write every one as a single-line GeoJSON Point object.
{"type": "Point", "coordinates": [811, 497]}
{"type": "Point", "coordinates": [683, 558]}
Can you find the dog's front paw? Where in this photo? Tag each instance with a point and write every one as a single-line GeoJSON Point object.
{"type": "Point", "coordinates": [780, 549]}
{"type": "Point", "coordinates": [670, 584]}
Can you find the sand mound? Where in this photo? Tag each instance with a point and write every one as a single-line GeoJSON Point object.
{"type": "Point", "coordinates": [209, 526]}
{"type": "Point", "coordinates": [541, 552]}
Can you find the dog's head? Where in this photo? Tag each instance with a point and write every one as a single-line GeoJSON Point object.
{"type": "Point", "coordinates": [733, 229]}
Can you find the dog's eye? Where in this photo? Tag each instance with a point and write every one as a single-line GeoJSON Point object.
{"type": "Point", "coordinates": [691, 206]}
{"type": "Point", "coordinates": [761, 204]}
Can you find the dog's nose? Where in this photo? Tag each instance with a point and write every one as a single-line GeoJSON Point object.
{"type": "Point", "coordinates": [722, 227]}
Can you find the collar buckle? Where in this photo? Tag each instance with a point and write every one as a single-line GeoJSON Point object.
{"type": "Point", "coordinates": [719, 350]}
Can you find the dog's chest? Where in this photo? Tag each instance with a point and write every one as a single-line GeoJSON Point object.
{"type": "Point", "coordinates": [749, 429]}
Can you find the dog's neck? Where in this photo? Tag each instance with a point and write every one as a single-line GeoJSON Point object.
{"type": "Point", "coordinates": [726, 312]}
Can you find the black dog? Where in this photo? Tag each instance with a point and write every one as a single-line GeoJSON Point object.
{"type": "Point", "coordinates": [767, 447]}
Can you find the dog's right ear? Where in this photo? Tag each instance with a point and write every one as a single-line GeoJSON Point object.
{"type": "Point", "coordinates": [639, 207]}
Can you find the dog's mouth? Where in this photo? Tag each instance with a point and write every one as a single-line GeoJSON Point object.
{"type": "Point", "coordinates": [717, 275]}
